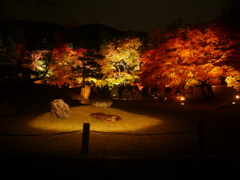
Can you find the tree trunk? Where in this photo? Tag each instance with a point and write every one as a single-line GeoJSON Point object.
{"type": "Point", "coordinates": [210, 93]}
{"type": "Point", "coordinates": [203, 91]}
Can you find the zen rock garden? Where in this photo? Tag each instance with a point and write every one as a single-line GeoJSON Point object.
{"type": "Point", "coordinates": [60, 109]}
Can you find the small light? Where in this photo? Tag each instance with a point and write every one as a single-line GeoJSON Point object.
{"type": "Point", "coordinates": [237, 96]}
{"type": "Point", "coordinates": [233, 102]}
{"type": "Point", "coordinates": [182, 98]}
{"type": "Point", "coordinates": [182, 104]}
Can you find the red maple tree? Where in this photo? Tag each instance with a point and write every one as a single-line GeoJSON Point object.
{"type": "Point", "coordinates": [194, 56]}
{"type": "Point", "coordinates": [62, 65]}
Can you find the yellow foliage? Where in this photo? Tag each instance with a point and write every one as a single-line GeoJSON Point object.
{"type": "Point", "coordinates": [122, 60]}
{"type": "Point", "coordinates": [233, 82]}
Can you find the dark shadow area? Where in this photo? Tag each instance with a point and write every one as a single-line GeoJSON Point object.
{"type": "Point", "coordinates": [120, 168]}
{"type": "Point", "coordinates": [212, 115]}
{"type": "Point", "coordinates": [36, 98]}
{"type": "Point", "coordinates": [221, 126]}
{"type": "Point", "coordinates": [175, 159]}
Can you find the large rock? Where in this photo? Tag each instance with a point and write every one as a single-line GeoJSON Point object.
{"type": "Point", "coordinates": [85, 92]}
{"type": "Point", "coordinates": [60, 109]}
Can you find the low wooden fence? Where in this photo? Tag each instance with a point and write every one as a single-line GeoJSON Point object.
{"type": "Point", "coordinates": [85, 135]}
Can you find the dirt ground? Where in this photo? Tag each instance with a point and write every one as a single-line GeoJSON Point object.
{"type": "Point", "coordinates": [177, 157]}
{"type": "Point", "coordinates": [180, 136]}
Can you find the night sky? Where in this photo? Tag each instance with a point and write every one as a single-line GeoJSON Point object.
{"type": "Point", "coordinates": [136, 15]}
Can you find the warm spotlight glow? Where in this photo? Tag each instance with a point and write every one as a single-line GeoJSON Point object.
{"type": "Point", "coordinates": [81, 114]}
{"type": "Point", "coordinates": [237, 96]}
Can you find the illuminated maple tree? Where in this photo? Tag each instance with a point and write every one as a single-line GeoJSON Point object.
{"type": "Point", "coordinates": [122, 61]}
{"type": "Point", "coordinates": [195, 56]}
{"type": "Point", "coordinates": [36, 64]}
{"type": "Point", "coordinates": [71, 66]}
{"type": "Point", "coordinates": [27, 65]}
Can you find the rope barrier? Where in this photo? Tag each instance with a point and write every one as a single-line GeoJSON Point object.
{"type": "Point", "coordinates": [86, 130]}
{"type": "Point", "coordinates": [135, 134]}
{"type": "Point", "coordinates": [100, 132]}
{"type": "Point", "coordinates": [44, 135]}
{"type": "Point", "coordinates": [114, 133]}
{"type": "Point", "coordinates": [220, 132]}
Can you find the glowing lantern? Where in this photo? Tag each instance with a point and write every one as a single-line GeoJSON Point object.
{"type": "Point", "coordinates": [237, 98]}
{"type": "Point", "coordinates": [180, 98]}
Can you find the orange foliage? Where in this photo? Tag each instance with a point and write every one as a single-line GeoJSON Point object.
{"type": "Point", "coordinates": [191, 56]}
{"type": "Point", "coordinates": [65, 59]}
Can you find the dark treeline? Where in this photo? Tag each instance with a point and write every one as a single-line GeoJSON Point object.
{"type": "Point", "coordinates": [41, 35]}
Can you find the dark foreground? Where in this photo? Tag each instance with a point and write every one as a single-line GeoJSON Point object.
{"type": "Point", "coordinates": [222, 159]}
{"type": "Point", "coordinates": [120, 168]}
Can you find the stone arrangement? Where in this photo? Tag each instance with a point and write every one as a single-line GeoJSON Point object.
{"type": "Point", "coordinates": [102, 102]}
{"type": "Point", "coordinates": [105, 117]}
